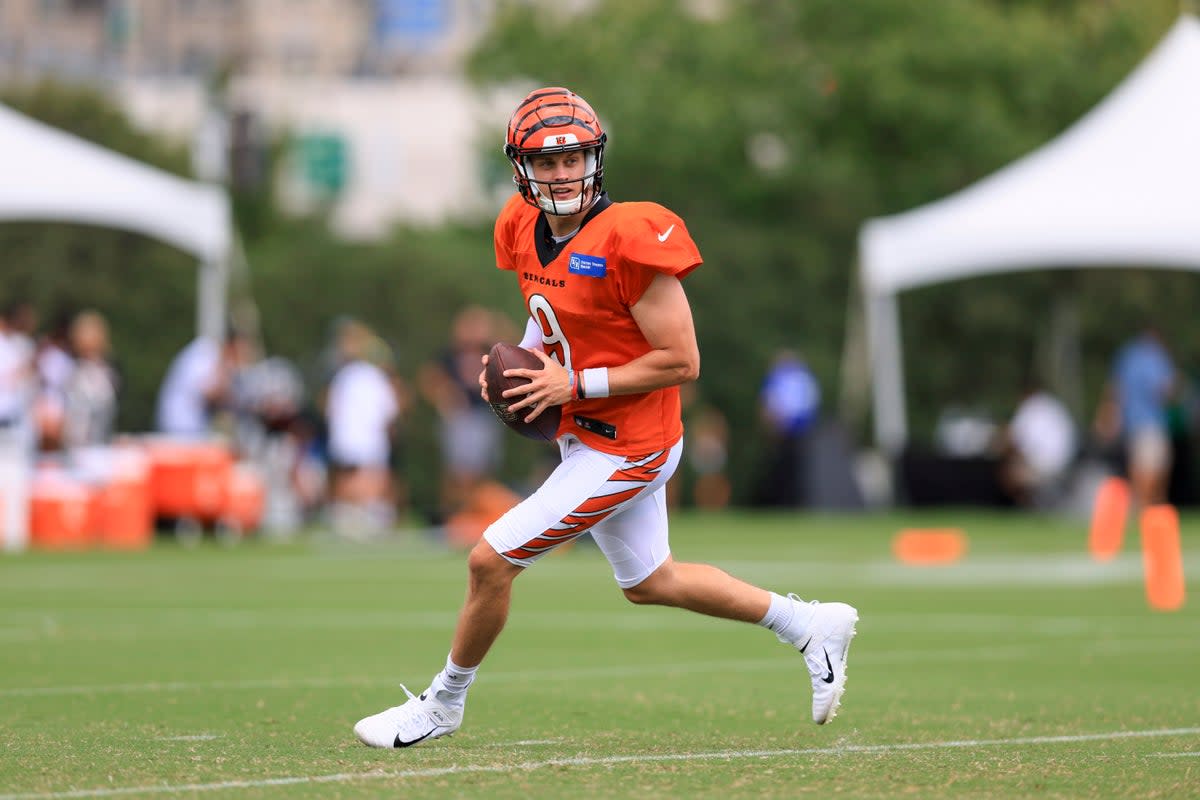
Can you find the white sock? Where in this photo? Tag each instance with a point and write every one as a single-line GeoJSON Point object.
{"type": "Point", "coordinates": [787, 618]}
{"type": "Point", "coordinates": [451, 684]}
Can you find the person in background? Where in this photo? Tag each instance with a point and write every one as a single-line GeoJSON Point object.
{"type": "Point", "coordinates": [1038, 446]}
{"type": "Point", "coordinates": [1183, 412]}
{"type": "Point", "coordinates": [1136, 397]}
{"type": "Point", "coordinates": [789, 401]}
{"type": "Point", "coordinates": [18, 380]}
{"type": "Point", "coordinates": [54, 368]}
{"type": "Point", "coordinates": [382, 356]}
{"type": "Point", "coordinates": [706, 448]}
{"type": "Point", "coordinates": [268, 399]}
{"type": "Point", "coordinates": [91, 391]}
{"type": "Point", "coordinates": [361, 409]}
{"type": "Point", "coordinates": [470, 439]}
{"type": "Point", "coordinates": [198, 383]}
{"type": "Point", "coordinates": [17, 435]}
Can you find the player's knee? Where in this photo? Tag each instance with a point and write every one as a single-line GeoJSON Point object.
{"type": "Point", "coordinates": [649, 592]}
{"type": "Point", "coordinates": [486, 566]}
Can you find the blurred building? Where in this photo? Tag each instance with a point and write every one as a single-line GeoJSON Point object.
{"type": "Point", "coordinates": [348, 86]}
{"type": "Point", "coordinates": [172, 38]}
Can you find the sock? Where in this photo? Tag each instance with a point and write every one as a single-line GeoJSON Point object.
{"type": "Point", "coordinates": [787, 618]}
{"type": "Point", "coordinates": [451, 684]}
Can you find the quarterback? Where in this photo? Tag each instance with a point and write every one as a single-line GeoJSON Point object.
{"type": "Point", "coordinates": [611, 323]}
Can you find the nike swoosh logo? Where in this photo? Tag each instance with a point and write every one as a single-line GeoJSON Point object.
{"type": "Point", "coordinates": [400, 743]}
{"type": "Point", "coordinates": [806, 644]}
{"type": "Point", "coordinates": [828, 678]}
{"type": "Point", "coordinates": [662, 237]}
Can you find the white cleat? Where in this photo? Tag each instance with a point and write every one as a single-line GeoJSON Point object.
{"type": "Point", "coordinates": [825, 646]}
{"type": "Point", "coordinates": [421, 719]}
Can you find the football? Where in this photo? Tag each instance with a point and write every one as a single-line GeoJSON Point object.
{"type": "Point", "coordinates": [510, 356]}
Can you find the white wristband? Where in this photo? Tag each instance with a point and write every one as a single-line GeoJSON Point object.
{"type": "Point", "coordinates": [595, 382]}
{"type": "Point", "coordinates": [533, 335]}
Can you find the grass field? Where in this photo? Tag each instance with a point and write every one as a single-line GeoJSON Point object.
{"type": "Point", "coordinates": [1024, 671]}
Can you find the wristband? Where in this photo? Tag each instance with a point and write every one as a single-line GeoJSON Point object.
{"type": "Point", "coordinates": [595, 382]}
{"type": "Point", "coordinates": [572, 383]}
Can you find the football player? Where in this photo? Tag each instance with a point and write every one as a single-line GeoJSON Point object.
{"type": "Point", "coordinates": [611, 323]}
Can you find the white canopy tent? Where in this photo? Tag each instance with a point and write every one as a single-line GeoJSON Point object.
{"type": "Point", "coordinates": [54, 176]}
{"type": "Point", "coordinates": [1120, 187]}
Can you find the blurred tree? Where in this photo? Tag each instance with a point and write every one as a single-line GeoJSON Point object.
{"type": "Point", "coordinates": [775, 129]}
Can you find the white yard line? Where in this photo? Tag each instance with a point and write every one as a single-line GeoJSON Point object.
{"type": "Point", "coordinates": [591, 761]}
{"type": "Point", "coordinates": [1193, 754]}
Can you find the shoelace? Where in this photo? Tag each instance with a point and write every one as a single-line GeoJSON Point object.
{"type": "Point", "coordinates": [814, 662]}
{"type": "Point", "coordinates": [412, 721]}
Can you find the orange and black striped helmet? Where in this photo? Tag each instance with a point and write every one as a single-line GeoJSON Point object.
{"type": "Point", "coordinates": [556, 120]}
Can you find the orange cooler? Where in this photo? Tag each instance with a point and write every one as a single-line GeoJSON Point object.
{"type": "Point", "coordinates": [245, 499]}
{"type": "Point", "coordinates": [59, 514]}
{"type": "Point", "coordinates": [189, 479]}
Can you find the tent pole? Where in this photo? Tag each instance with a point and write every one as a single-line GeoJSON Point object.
{"type": "Point", "coordinates": [887, 372]}
{"type": "Point", "coordinates": [211, 296]}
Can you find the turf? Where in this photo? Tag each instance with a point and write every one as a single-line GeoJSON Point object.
{"type": "Point", "coordinates": [1025, 670]}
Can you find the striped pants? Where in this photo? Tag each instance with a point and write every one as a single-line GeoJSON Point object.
{"type": "Point", "coordinates": [621, 500]}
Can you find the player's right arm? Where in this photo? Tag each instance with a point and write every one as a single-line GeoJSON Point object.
{"type": "Point", "coordinates": [664, 317]}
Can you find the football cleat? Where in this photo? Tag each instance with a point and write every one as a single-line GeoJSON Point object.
{"type": "Point", "coordinates": [825, 646]}
{"type": "Point", "coordinates": [421, 719]}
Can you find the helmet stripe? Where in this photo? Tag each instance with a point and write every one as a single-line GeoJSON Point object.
{"type": "Point", "coordinates": [575, 109]}
{"type": "Point", "coordinates": [539, 96]}
{"type": "Point", "coordinates": [555, 122]}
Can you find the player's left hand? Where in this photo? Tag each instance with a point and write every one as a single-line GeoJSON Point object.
{"type": "Point", "coordinates": [548, 386]}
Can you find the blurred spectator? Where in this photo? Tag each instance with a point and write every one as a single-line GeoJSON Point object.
{"type": "Point", "coordinates": [381, 355]}
{"type": "Point", "coordinates": [1134, 408]}
{"type": "Point", "coordinates": [54, 368]}
{"type": "Point", "coordinates": [23, 319]}
{"type": "Point", "coordinates": [310, 470]}
{"type": "Point", "coordinates": [17, 435]}
{"type": "Point", "coordinates": [17, 378]}
{"type": "Point", "coordinates": [789, 402]}
{"type": "Point", "coordinates": [1039, 445]}
{"type": "Point", "coordinates": [962, 432]}
{"type": "Point", "coordinates": [268, 396]}
{"type": "Point", "coordinates": [706, 447]}
{"type": "Point", "coordinates": [91, 391]}
{"type": "Point", "coordinates": [198, 383]}
{"type": "Point", "coordinates": [1183, 413]}
{"type": "Point", "coordinates": [470, 438]}
{"type": "Point", "coordinates": [361, 412]}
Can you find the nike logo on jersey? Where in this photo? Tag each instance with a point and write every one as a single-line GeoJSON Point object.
{"type": "Point", "coordinates": [662, 237]}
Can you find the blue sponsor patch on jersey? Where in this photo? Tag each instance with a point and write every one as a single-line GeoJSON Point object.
{"type": "Point", "coordinates": [591, 266]}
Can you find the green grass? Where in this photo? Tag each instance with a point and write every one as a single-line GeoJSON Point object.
{"type": "Point", "coordinates": [215, 671]}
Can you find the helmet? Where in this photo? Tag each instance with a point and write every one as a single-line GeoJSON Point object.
{"type": "Point", "coordinates": [556, 120]}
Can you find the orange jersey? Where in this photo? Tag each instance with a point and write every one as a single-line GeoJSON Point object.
{"type": "Point", "coordinates": [581, 294]}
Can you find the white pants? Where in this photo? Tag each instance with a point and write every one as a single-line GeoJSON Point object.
{"type": "Point", "coordinates": [1150, 450]}
{"type": "Point", "coordinates": [16, 468]}
{"type": "Point", "coordinates": [620, 500]}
